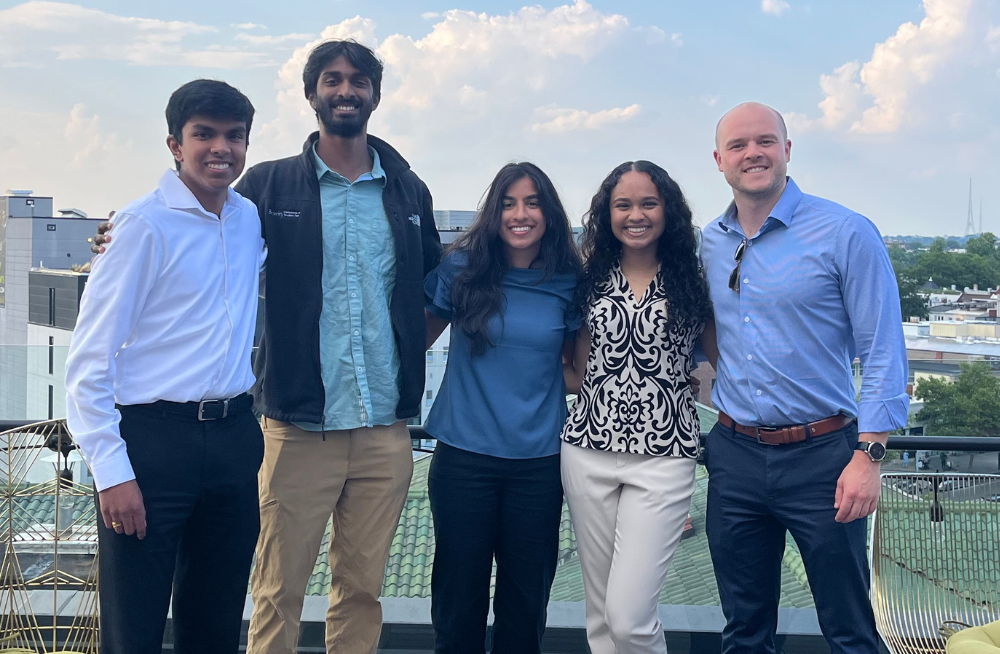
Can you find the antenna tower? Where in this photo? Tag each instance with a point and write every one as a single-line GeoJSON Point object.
{"type": "Point", "coordinates": [970, 223]}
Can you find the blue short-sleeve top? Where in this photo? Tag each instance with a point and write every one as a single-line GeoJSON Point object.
{"type": "Point", "coordinates": [509, 402]}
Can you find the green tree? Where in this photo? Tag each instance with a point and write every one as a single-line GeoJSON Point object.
{"type": "Point", "coordinates": [910, 304]}
{"type": "Point", "coordinates": [984, 245]}
{"type": "Point", "coordinates": [970, 406]}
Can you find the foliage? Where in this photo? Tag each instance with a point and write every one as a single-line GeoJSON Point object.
{"type": "Point", "coordinates": [968, 407]}
{"type": "Point", "coordinates": [910, 303]}
{"type": "Point", "coordinates": [979, 265]}
{"type": "Point", "coordinates": [985, 245]}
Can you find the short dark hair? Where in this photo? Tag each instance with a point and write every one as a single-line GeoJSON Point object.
{"type": "Point", "coordinates": [361, 57]}
{"type": "Point", "coordinates": [210, 98]}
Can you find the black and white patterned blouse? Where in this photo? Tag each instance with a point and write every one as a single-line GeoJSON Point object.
{"type": "Point", "coordinates": [635, 395]}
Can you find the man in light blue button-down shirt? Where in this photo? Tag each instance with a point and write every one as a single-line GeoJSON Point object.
{"type": "Point", "coordinates": [801, 286]}
{"type": "Point", "coordinates": [357, 349]}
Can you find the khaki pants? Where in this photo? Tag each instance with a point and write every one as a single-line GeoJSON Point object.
{"type": "Point", "coordinates": [361, 478]}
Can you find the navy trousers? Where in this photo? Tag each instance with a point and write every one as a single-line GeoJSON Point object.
{"type": "Point", "coordinates": [755, 493]}
{"type": "Point", "coordinates": [485, 507]}
{"type": "Point", "coordinates": [199, 486]}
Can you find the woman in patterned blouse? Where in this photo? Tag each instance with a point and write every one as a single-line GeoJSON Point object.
{"type": "Point", "coordinates": [630, 442]}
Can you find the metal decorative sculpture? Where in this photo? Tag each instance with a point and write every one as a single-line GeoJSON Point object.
{"type": "Point", "coordinates": [48, 579]}
{"type": "Point", "coordinates": [935, 558]}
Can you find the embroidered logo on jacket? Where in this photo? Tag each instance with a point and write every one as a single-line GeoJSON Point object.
{"type": "Point", "coordinates": [415, 219]}
{"type": "Point", "coordinates": [284, 214]}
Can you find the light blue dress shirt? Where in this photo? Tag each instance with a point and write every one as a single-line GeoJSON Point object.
{"type": "Point", "coordinates": [358, 356]}
{"type": "Point", "coordinates": [817, 289]}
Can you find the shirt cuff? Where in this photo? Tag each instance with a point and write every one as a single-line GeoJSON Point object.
{"type": "Point", "coordinates": [884, 415]}
{"type": "Point", "coordinates": [111, 472]}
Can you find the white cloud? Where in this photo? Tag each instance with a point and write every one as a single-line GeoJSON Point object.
{"type": "Point", "coordinates": [993, 39]}
{"type": "Point", "coordinates": [93, 168]}
{"type": "Point", "coordinates": [247, 26]}
{"type": "Point", "coordinates": [774, 7]}
{"type": "Point", "coordinates": [474, 78]}
{"type": "Point", "coordinates": [68, 31]}
{"type": "Point", "coordinates": [267, 39]}
{"type": "Point", "coordinates": [676, 39]}
{"type": "Point", "coordinates": [554, 119]}
{"type": "Point", "coordinates": [878, 97]}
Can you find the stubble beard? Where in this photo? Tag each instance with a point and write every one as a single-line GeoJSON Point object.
{"type": "Point", "coordinates": [342, 128]}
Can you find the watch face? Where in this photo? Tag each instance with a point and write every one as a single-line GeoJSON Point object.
{"type": "Point", "coordinates": [876, 451]}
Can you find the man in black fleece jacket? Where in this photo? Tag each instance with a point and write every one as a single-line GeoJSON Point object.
{"type": "Point", "coordinates": [350, 235]}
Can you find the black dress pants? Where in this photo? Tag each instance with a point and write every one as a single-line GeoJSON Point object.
{"type": "Point", "coordinates": [199, 487]}
{"type": "Point", "coordinates": [485, 507]}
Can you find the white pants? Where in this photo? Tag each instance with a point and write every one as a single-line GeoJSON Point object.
{"type": "Point", "coordinates": [628, 513]}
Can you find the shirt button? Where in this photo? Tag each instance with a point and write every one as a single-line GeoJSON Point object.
{"type": "Point", "coordinates": [361, 369]}
{"type": "Point", "coordinates": [746, 281]}
{"type": "Point", "coordinates": [351, 258]}
{"type": "Point", "coordinates": [758, 391]}
{"type": "Point", "coordinates": [746, 319]}
{"type": "Point", "coordinates": [356, 332]}
{"type": "Point", "coordinates": [354, 295]}
{"type": "Point", "coordinates": [749, 357]}
{"type": "Point", "coordinates": [350, 220]}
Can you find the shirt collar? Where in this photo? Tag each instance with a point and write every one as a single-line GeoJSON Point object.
{"type": "Point", "coordinates": [176, 194]}
{"type": "Point", "coordinates": [782, 212]}
{"type": "Point", "coordinates": [376, 173]}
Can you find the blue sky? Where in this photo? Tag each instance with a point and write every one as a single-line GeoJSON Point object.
{"type": "Point", "coordinates": [892, 105]}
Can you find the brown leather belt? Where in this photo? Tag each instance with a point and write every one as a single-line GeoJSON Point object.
{"type": "Point", "coordinates": [789, 434]}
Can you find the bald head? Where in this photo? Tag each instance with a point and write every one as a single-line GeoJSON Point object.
{"type": "Point", "coordinates": [751, 110]}
{"type": "Point", "coordinates": [752, 150]}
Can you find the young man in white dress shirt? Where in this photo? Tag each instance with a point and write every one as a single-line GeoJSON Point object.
{"type": "Point", "coordinates": [157, 381]}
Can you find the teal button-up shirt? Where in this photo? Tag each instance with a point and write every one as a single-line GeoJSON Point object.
{"type": "Point", "coordinates": [358, 355]}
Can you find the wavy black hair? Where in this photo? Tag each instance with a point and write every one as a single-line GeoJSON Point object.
{"type": "Point", "coordinates": [477, 292]}
{"type": "Point", "coordinates": [680, 272]}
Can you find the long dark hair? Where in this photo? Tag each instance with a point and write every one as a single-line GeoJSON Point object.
{"type": "Point", "coordinates": [680, 273]}
{"type": "Point", "coordinates": [477, 292]}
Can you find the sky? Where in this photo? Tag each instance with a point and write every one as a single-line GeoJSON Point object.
{"type": "Point", "coordinates": [892, 106]}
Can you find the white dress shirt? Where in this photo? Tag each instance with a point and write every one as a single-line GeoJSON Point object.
{"type": "Point", "coordinates": [168, 313]}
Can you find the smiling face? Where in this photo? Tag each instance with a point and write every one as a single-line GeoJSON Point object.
{"type": "Point", "coordinates": [753, 150]}
{"type": "Point", "coordinates": [637, 218]}
{"type": "Point", "coordinates": [343, 99]}
{"type": "Point", "coordinates": [522, 223]}
{"type": "Point", "coordinates": [211, 154]}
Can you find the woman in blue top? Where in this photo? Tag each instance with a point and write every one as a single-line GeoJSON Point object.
{"type": "Point", "coordinates": [507, 289]}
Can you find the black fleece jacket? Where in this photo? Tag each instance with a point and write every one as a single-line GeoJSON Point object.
{"type": "Point", "coordinates": [289, 384]}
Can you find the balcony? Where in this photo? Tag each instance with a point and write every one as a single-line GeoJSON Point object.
{"type": "Point", "coordinates": [925, 516]}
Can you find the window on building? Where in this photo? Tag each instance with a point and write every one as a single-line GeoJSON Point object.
{"type": "Point", "coordinates": [430, 356]}
{"type": "Point", "coordinates": [430, 395]}
{"type": "Point", "coordinates": [445, 352]}
{"type": "Point", "coordinates": [52, 354]}
{"type": "Point", "coordinates": [50, 402]}
{"type": "Point", "coordinates": [52, 306]}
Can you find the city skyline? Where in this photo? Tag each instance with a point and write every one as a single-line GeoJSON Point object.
{"type": "Point", "coordinates": [891, 108]}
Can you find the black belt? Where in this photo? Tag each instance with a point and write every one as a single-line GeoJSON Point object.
{"type": "Point", "coordinates": [205, 410]}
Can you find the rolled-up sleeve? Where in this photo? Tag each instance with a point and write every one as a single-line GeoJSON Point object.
{"type": "Point", "coordinates": [109, 310]}
{"type": "Point", "coordinates": [871, 299]}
